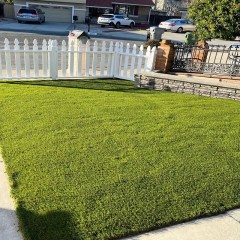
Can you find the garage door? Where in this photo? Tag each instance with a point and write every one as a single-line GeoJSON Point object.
{"type": "Point", "coordinates": [56, 13]}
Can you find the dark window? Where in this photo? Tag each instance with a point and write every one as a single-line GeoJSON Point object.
{"type": "Point", "coordinates": [119, 17]}
{"type": "Point", "coordinates": [120, 9]}
{"type": "Point", "coordinates": [31, 11]}
{"type": "Point", "coordinates": [133, 10]}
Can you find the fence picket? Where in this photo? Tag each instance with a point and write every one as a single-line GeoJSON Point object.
{"type": "Point", "coordinates": [35, 58]}
{"type": "Point", "coordinates": [1, 68]}
{"type": "Point", "coordinates": [103, 56]}
{"type": "Point", "coordinates": [120, 61]}
{"type": "Point", "coordinates": [8, 58]}
{"type": "Point", "coordinates": [71, 59]}
{"type": "Point", "coordinates": [126, 61]}
{"type": "Point", "coordinates": [79, 57]}
{"type": "Point", "coordinates": [134, 52]}
{"type": "Point", "coordinates": [54, 60]}
{"type": "Point", "coordinates": [17, 58]}
{"type": "Point", "coordinates": [151, 59]}
{"type": "Point", "coordinates": [49, 55]}
{"type": "Point", "coordinates": [148, 53]}
{"type": "Point", "coordinates": [26, 59]}
{"type": "Point", "coordinates": [44, 57]}
{"type": "Point", "coordinates": [64, 58]}
{"type": "Point", "coordinates": [140, 58]}
{"type": "Point", "coordinates": [115, 60]}
{"type": "Point", "coordinates": [87, 66]}
{"type": "Point", "coordinates": [94, 62]}
{"type": "Point", "coordinates": [109, 61]}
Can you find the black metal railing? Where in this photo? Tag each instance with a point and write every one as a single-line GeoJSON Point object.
{"type": "Point", "coordinates": [212, 59]}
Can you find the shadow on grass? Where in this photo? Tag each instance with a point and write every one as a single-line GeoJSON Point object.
{"type": "Point", "coordinates": [91, 84]}
{"type": "Point", "coordinates": [55, 225]}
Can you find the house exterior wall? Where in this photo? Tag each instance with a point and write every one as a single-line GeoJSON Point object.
{"type": "Point", "coordinates": [9, 11]}
{"type": "Point", "coordinates": [163, 4]}
{"type": "Point", "coordinates": [143, 14]}
{"type": "Point", "coordinates": [77, 8]}
{"type": "Point", "coordinates": [65, 1]}
{"type": "Point", "coordinates": [173, 7]}
{"type": "Point", "coordinates": [160, 4]}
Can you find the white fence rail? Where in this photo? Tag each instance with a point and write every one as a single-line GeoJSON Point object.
{"type": "Point", "coordinates": [76, 60]}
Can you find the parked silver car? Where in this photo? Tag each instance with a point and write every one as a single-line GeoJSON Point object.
{"type": "Point", "coordinates": [178, 25]}
{"type": "Point", "coordinates": [30, 15]}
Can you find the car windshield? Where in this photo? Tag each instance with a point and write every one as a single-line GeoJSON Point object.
{"type": "Point", "coordinates": [107, 16]}
{"type": "Point", "coordinates": [27, 11]}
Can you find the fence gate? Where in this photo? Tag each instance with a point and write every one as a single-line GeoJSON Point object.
{"type": "Point", "coordinates": [212, 59]}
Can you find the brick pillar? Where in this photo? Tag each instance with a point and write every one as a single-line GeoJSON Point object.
{"type": "Point", "coordinates": [165, 56]}
{"type": "Point", "coordinates": [200, 53]}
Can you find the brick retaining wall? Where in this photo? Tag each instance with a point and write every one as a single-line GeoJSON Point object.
{"type": "Point", "coordinates": [191, 85]}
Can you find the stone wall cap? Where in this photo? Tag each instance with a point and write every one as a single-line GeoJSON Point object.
{"type": "Point", "coordinates": [192, 79]}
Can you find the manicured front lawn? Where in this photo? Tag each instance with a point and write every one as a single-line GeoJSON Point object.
{"type": "Point", "coordinates": [99, 159]}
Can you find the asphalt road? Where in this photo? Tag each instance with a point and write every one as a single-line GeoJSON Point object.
{"type": "Point", "coordinates": [11, 36]}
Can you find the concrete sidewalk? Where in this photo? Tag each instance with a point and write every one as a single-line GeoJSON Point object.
{"type": "Point", "coordinates": [9, 229]}
{"type": "Point", "coordinates": [222, 227]}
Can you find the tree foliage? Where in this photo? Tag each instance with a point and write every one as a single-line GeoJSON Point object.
{"type": "Point", "coordinates": [6, 1]}
{"type": "Point", "coordinates": [216, 19]}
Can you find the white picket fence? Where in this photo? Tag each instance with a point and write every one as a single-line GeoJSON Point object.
{"type": "Point", "coordinates": [75, 60]}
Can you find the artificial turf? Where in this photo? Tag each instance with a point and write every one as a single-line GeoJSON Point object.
{"type": "Point", "coordinates": [100, 159]}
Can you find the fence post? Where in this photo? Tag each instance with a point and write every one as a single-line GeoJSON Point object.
{"type": "Point", "coordinates": [165, 56]}
{"type": "Point", "coordinates": [151, 59]}
{"type": "Point", "coordinates": [200, 52]}
{"type": "Point", "coordinates": [54, 60]}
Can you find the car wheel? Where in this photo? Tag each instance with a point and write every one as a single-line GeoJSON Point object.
{"type": "Point", "coordinates": [131, 25]}
{"type": "Point", "coordinates": [111, 24]}
{"type": "Point", "coordinates": [19, 21]}
{"type": "Point", "coordinates": [44, 20]}
{"type": "Point", "coordinates": [118, 25]}
{"type": "Point", "coordinates": [180, 30]}
{"type": "Point", "coordinates": [102, 25]}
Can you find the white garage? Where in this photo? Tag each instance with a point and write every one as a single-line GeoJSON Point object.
{"type": "Point", "coordinates": [55, 13]}
{"type": "Point", "coordinates": [56, 10]}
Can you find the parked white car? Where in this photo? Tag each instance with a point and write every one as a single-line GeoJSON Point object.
{"type": "Point", "coordinates": [115, 20]}
{"type": "Point", "coordinates": [178, 25]}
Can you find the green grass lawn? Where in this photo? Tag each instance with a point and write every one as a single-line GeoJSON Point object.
{"type": "Point", "coordinates": [100, 159]}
